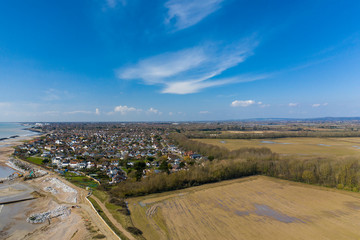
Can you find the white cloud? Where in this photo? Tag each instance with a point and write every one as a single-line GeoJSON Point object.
{"type": "Point", "coordinates": [54, 95]}
{"type": "Point", "coordinates": [242, 103]}
{"type": "Point", "coordinates": [315, 105]}
{"type": "Point", "coordinates": [154, 111]}
{"type": "Point", "coordinates": [187, 87]}
{"type": "Point", "coordinates": [156, 69]}
{"type": "Point", "coordinates": [204, 112]}
{"type": "Point", "coordinates": [293, 104]}
{"type": "Point", "coordinates": [171, 113]}
{"type": "Point", "coordinates": [78, 112]}
{"type": "Point", "coordinates": [51, 113]}
{"type": "Point", "coordinates": [97, 111]}
{"type": "Point", "coordinates": [185, 13]}
{"type": "Point", "coordinates": [114, 3]}
{"type": "Point", "coordinates": [123, 110]}
{"type": "Point", "coordinates": [5, 104]}
{"type": "Point", "coordinates": [191, 70]}
{"type": "Point", "coordinates": [51, 95]}
{"type": "Point", "coordinates": [264, 105]}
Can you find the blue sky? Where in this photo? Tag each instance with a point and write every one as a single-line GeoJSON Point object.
{"type": "Point", "coordinates": [137, 60]}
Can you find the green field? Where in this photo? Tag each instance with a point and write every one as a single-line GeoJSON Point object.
{"type": "Point", "coordinates": [36, 160]}
{"type": "Point", "coordinates": [298, 146]}
{"type": "Point", "coordinates": [80, 181]}
{"type": "Point", "coordinates": [249, 208]}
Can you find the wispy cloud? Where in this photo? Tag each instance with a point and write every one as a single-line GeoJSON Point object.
{"type": "Point", "coordinates": [264, 105]}
{"type": "Point", "coordinates": [204, 112]}
{"type": "Point", "coordinates": [51, 113]}
{"type": "Point", "coordinates": [156, 69]}
{"type": "Point", "coordinates": [242, 103]}
{"type": "Point", "coordinates": [51, 95]}
{"type": "Point", "coordinates": [187, 87]}
{"type": "Point", "coordinates": [154, 111]}
{"type": "Point", "coordinates": [293, 104]}
{"type": "Point", "coordinates": [316, 105]}
{"type": "Point", "coordinates": [114, 3]}
{"type": "Point", "coordinates": [185, 13]}
{"type": "Point", "coordinates": [123, 110]}
{"type": "Point", "coordinates": [97, 112]}
{"type": "Point", "coordinates": [55, 95]}
{"type": "Point", "coordinates": [5, 104]}
{"type": "Point", "coordinates": [191, 70]}
{"type": "Point", "coordinates": [78, 112]}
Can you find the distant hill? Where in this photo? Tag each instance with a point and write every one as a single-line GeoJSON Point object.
{"type": "Point", "coordinates": [322, 119]}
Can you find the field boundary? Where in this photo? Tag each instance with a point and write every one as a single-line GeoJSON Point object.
{"type": "Point", "coordinates": [102, 218]}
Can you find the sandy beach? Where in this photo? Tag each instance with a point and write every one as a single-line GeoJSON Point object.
{"type": "Point", "coordinates": [51, 193]}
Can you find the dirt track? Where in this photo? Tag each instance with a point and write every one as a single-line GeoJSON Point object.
{"type": "Point", "coordinates": [112, 219]}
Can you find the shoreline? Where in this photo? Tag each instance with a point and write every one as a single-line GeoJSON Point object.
{"type": "Point", "coordinates": [23, 127]}
{"type": "Point", "coordinates": [7, 148]}
{"type": "Point", "coordinates": [82, 222]}
{"type": "Point", "coordinates": [20, 137]}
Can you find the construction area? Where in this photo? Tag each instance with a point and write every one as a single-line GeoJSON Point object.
{"type": "Point", "coordinates": [37, 204]}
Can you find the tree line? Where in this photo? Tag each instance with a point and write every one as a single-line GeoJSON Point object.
{"type": "Point", "coordinates": [219, 152]}
{"type": "Point", "coordinates": [330, 172]}
{"type": "Point", "coordinates": [339, 173]}
{"type": "Point", "coordinates": [283, 134]}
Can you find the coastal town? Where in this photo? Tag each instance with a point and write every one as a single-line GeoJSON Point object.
{"type": "Point", "coordinates": [109, 153]}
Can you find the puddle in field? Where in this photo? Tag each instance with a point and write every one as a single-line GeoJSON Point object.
{"type": "Point", "coordinates": [325, 145]}
{"type": "Point", "coordinates": [353, 205]}
{"type": "Point", "coordinates": [242, 213]}
{"type": "Point", "coordinates": [222, 141]}
{"type": "Point", "coordinates": [356, 147]}
{"type": "Point", "coordinates": [264, 210]}
{"type": "Point", "coordinates": [271, 142]}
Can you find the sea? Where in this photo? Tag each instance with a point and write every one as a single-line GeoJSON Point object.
{"type": "Point", "coordinates": [10, 130]}
{"type": "Point", "coordinates": [13, 129]}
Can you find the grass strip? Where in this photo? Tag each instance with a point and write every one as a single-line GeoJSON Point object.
{"type": "Point", "coordinates": [106, 219]}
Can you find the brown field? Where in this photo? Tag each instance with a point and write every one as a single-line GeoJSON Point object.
{"type": "Point", "coordinates": [298, 146]}
{"type": "Point", "coordinates": [250, 208]}
{"type": "Point", "coordinates": [248, 132]}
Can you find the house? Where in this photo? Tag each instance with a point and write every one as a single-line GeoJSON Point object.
{"type": "Point", "coordinates": [56, 161]}
{"type": "Point", "coordinates": [45, 154]}
{"type": "Point", "coordinates": [172, 157]}
{"type": "Point", "coordinates": [82, 165]}
{"type": "Point", "coordinates": [117, 178]}
{"type": "Point", "coordinates": [90, 164]}
{"type": "Point", "coordinates": [195, 156]}
{"type": "Point", "coordinates": [73, 164]}
{"type": "Point", "coordinates": [65, 163]}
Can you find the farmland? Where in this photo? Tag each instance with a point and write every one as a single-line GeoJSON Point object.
{"type": "Point", "coordinates": [295, 146]}
{"type": "Point", "coordinates": [249, 208]}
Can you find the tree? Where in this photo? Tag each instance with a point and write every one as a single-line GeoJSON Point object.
{"type": "Point", "coordinates": [150, 159]}
{"type": "Point", "coordinates": [308, 176]}
{"type": "Point", "coordinates": [139, 167]}
{"type": "Point", "coordinates": [164, 166]}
